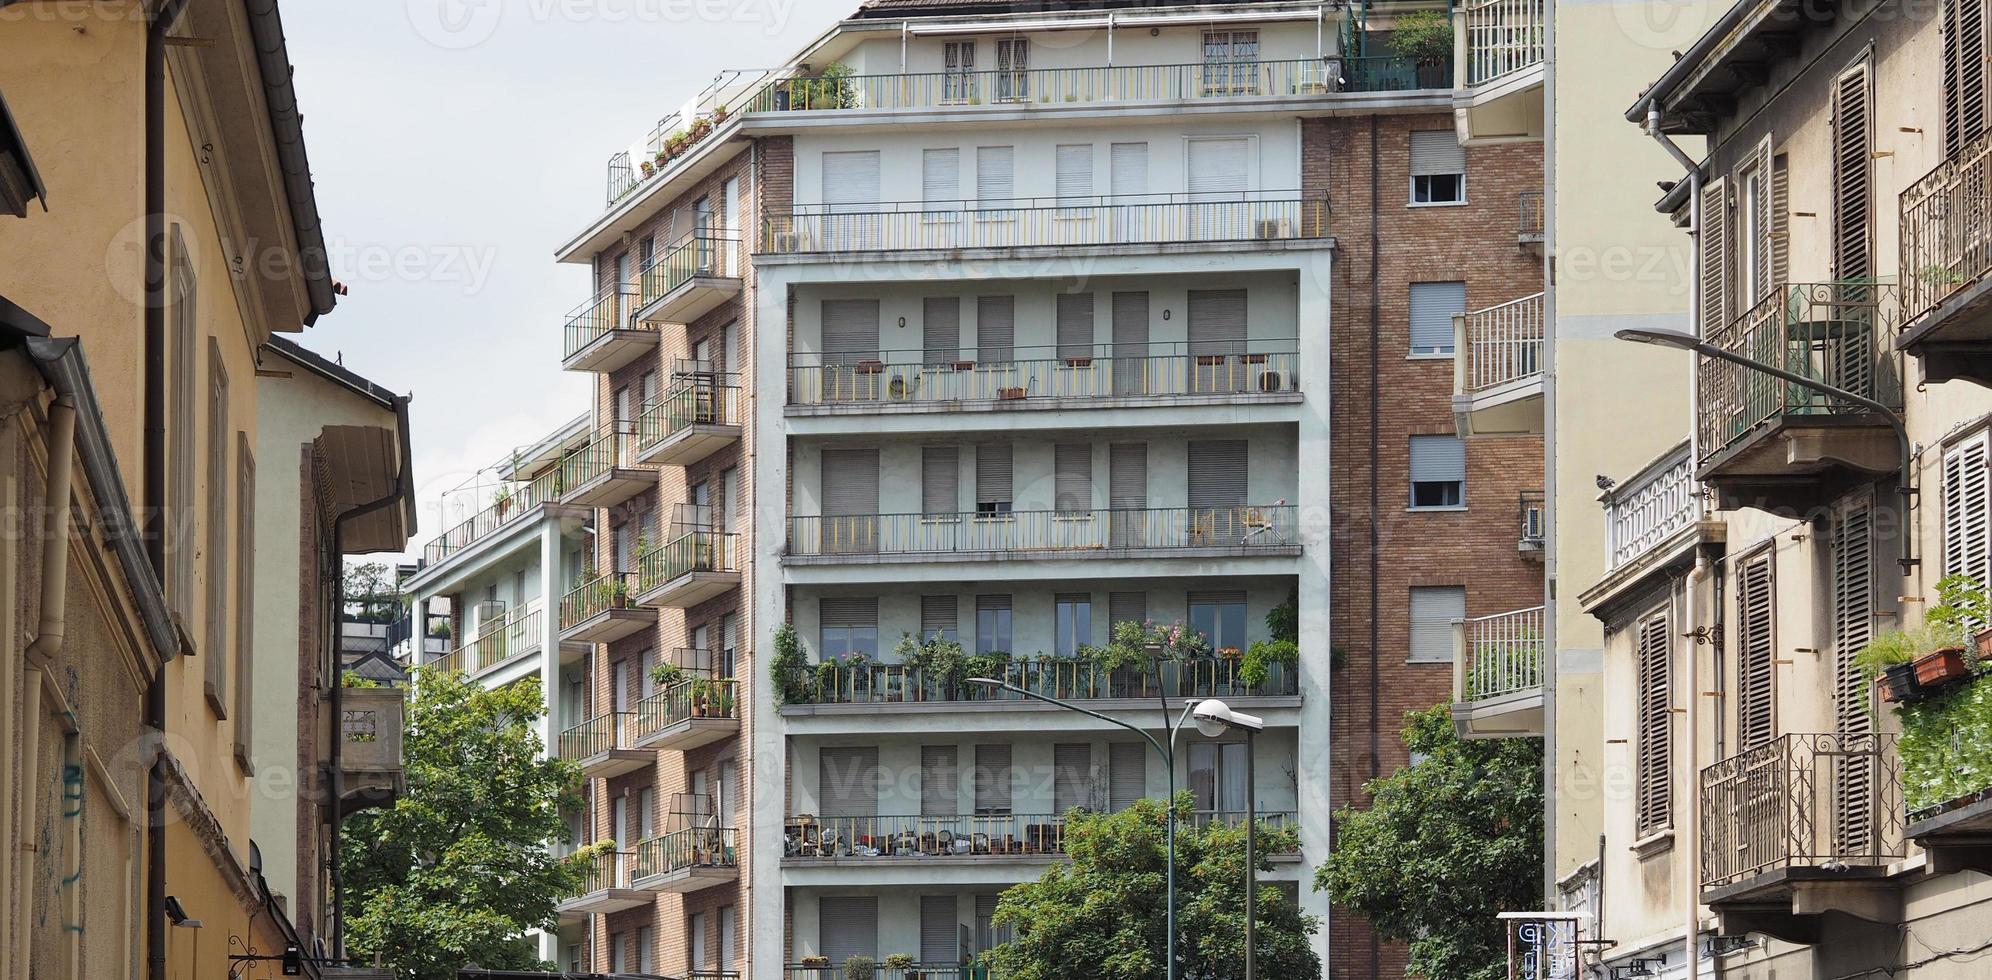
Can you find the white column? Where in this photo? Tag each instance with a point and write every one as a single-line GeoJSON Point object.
{"type": "Point", "coordinates": [1313, 508]}
{"type": "Point", "coordinates": [552, 587]}
{"type": "Point", "coordinates": [770, 769]}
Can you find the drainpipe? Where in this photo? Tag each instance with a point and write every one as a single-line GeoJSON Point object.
{"type": "Point", "coordinates": [49, 634]}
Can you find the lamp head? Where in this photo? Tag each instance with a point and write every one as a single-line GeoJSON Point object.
{"type": "Point", "coordinates": [1214, 717]}
{"type": "Point", "coordinates": [1662, 338]}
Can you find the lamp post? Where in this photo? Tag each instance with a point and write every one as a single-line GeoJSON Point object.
{"type": "Point", "coordinates": [1689, 342]}
{"type": "Point", "coordinates": [1168, 762]}
{"type": "Point", "coordinates": [1214, 718]}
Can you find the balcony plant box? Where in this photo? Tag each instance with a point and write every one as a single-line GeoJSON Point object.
{"type": "Point", "coordinates": [1253, 358]}
{"type": "Point", "coordinates": [1941, 667]}
{"type": "Point", "coordinates": [871, 367]}
{"type": "Point", "coordinates": [1210, 360]}
{"type": "Point", "coordinates": [1982, 644]}
{"type": "Point", "coordinates": [1010, 394]}
{"type": "Point", "coordinates": [1898, 682]}
{"type": "Point", "coordinates": [964, 365]}
{"type": "Point", "coordinates": [1078, 362]}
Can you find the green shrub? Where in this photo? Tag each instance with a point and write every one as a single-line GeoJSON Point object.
{"type": "Point", "coordinates": [1423, 36]}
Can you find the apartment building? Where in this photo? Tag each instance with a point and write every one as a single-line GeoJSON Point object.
{"type": "Point", "coordinates": [1008, 325]}
{"type": "Point", "coordinates": [170, 236]}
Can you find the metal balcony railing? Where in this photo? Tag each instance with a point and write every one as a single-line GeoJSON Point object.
{"type": "Point", "coordinates": [1530, 221]}
{"type": "Point", "coordinates": [1500, 37]}
{"type": "Point", "coordinates": [1650, 507]}
{"type": "Point", "coordinates": [612, 308]}
{"type": "Point", "coordinates": [703, 400]}
{"type": "Point", "coordinates": [609, 870]}
{"type": "Point", "coordinates": [1015, 532]}
{"type": "Point", "coordinates": [1495, 656]}
{"type": "Point", "coordinates": [993, 835]}
{"type": "Point", "coordinates": [509, 500]}
{"type": "Point", "coordinates": [500, 641]}
{"type": "Point", "coordinates": [680, 850]}
{"type": "Point", "coordinates": [1391, 73]}
{"type": "Point", "coordinates": [1052, 86]}
{"type": "Point", "coordinates": [918, 971]}
{"type": "Point", "coordinates": [595, 596]}
{"type": "Point", "coordinates": [1947, 229]}
{"type": "Point", "coordinates": [611, 447]}
{"type": "Point", "coordinates": [603, 733]}
{"type": "Point", "coordinates": [702, 550]}
{"type": "Point", "coordinates": [698, 697]}
{"type": "Point", "coordinates": [1051, 371]}
{"type": "Point", "coordinates": [698, 255]}
{"type": "Point", "coordinates": [1840, 333]}
{"type": "Point", "coordinates": [1127, 219]}
{"type": "Point", "coordinates": [1801, 801]}
{"type": "Point", "coordinates": [1066, 678]}
{"type": "Point", "coordinates": [1498, 345]}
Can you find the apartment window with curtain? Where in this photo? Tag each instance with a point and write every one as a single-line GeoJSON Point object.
{"type": "Point", "coordinates": [1653, 743]}
{"type": "Point", "coordinates": [1433, 609]}
{"type": "Point", "coordinates": [1217, 776]}
{"type": "Point", "coordinates": [992, 624]}
{"type": "Point", "coordinates": [1433, 305]}
{"type": "Point", "coordinates": [1072, 615]}
{"type": "Point", "coordinates": [1438, 472]}
{"type": "Point", "coordinates": [1438, 168]}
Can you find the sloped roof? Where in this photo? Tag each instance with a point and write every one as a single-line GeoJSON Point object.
{"type": "Point", "coordinates": [917, 8]}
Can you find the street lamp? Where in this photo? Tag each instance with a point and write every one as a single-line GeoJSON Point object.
{"type": "Point", "coordinates": [1689, 342]}
{"type": "Point", "coordinates": [1214, 718]}
{"type": "Point", "coordinates": [1168, 762]}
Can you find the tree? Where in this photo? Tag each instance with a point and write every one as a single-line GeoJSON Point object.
{"type": "Point", "coordinates": [459, 868]}
{"type": "Point", "coordinates": [1103, 914]}
{"type": "Point", "coordinates": [1446, 843]}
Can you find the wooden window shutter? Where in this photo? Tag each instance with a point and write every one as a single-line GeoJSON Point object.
{"type": "Point", "coordinates": [1654, 747]}
{"type": "Point", "coordinates": [1964, 73]}
{"type": "Point", "coordinates": [1853, 776]}
{"type": "Point", "coordinates": [1968, 510]}
{"type": "Point", "coordinates": [1853, 142]}
{"type": "Point", "coordinates": [1714, 248]}
{"type": "Point", "coordinates": [1780, 220]}
{"type": "Point", "coordinates": [1756, 654]}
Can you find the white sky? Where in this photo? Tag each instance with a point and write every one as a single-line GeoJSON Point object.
{"type": "Point", "coordinates": [455, 144]}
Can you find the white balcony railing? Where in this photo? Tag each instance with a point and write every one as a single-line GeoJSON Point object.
{"type": "Point", "coordinates": [1649, 508]}
{"type": "Point", "coordinates": [1498, 655]}
{"type": "Point", "coordinates": [1498, 345]}
{"type": "Point", "coordinates": [1500, 37]}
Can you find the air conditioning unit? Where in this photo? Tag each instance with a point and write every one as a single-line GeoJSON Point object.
{"type": "Point", "coordinates": [1272, 229]}
{"type": "Point", "coordinates": [1532, 528]}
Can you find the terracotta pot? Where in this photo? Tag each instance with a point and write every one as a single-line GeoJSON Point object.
{"type": "Point", "coordinates": [1982, 643]}
{"type": "Point", "coordinates": [964, 365]}
{"type": "Point", "coordinates": [1898, 682]}
{"type": "Point", "coordinates": [1010, 394]}
{"type": "Point", "coordinates": [1942, 667]}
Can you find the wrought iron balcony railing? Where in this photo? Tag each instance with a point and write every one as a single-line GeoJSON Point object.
{"type": "Point", "coordinates": [509, 500]}
{"type": "Point", "coordinates": [1499, 345]}
{"type": "Point", "coordinates": [702, 550]}
{"type": "Point", "coordinates": [919, 377]}
{"type": "Point", "coordinates": [1498, 655]}
{"type": "Point", "coordinates": [698, 255]}
{"type": "Point", "coordinates": [1127, 219]}
{"type": "Point", "coordinates": [594, 596]}
{"type": "Point", "coordinates": [1947, 229]}
{"type": "Point", "coordinates": [1501, 37]}
{"type": "Point", "coordinates": [1066, 678]}
{"type": "Point", "coordinates": [711, 399]}
{"type": "Point", "coordinates": [612, 308]}
{"type": "Point", "coordinates": [1100, 530]}
{"type": "Point", "coordinates": [1657, 502]}
{"type": "Point", "coordinates": [1801, 801]}
{"type": "Point", "coordinates": [1840, 333]}
{"type": "Point", "coordinates": [992, 835]}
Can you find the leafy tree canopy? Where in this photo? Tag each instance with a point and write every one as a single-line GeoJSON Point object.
{"type": "Point", "coordinates": [1447, 843]}
{"type": "Point", "coordinates": [1104, 913]}
{"type": "Point", "coordinates": [459, 868]}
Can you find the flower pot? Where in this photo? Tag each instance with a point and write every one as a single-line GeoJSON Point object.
{"type": "Point", "coordinates": [1942, 667]}
{"type": "Point", "coordinates": [964, 365]}
{"type": "Point", "coordinates": [1898, 682]}
{"type": "Point", "coordinates": [1010, 394]}
{"type": "Point", "coordinates": [1078, 362]}
{"type": "Point", "coordinates": [1982, 644]}
{"type": "Point", "coordinates": [870, 367]}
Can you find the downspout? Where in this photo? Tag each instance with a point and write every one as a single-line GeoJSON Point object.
{"type": "Point", "coordinates": [154, 488]}
{"type": "Point", "coordinates": [49, 634]}
{"type": "Point", "coordinates": [1375, 488]}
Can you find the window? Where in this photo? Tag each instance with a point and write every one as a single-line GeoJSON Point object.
{"type": "Point", "coordinates": [644, 944]}
{"type": "Point", "coordinates": [1127, 774]}
{"type": "Point", "coordinates": [1438, 168]}
{"type": "Point", "coordinates": [1433, 609]}
{"type": "Point", "coordinates": [1968, 508]}
{"type": "Point", "coordinates": [940, 176]}
{"type": "Point", "coordinates": [729, 953]}
{"type": "Point", "coordinates": [1073, 616]}
{"type": "Point", "coordinates": [215, 648]}
{"type": "Point", "coordinates": [992, 779]}
{"type": "Point", "coordinates": [1438, 471]}
{"type": "Point", "coordinates": [1217, 776]}
{"type": "Point", "coordinates": [940, 782]}
{"type": "Point", "coordinates": [1756, 653]}
{"type": "Point", "coordinates": [992, 479]}
{"type": "Point", "coordinates": [1013, 64]}
{"type": "Point", "coordinates": [618, 952]}
{"type": "Point", "coordinates": [646, 813]}
{"type": "Point", "coordinates": [178, 517]}
{"type": "Point", "coordinates": [995, 176]}
{"type": "Point", "coordinates": [1073, 177]}
{"type": "Point", "coordinates": [850, 626]}
{"type": "Point", "coordinates": [1072, 480]}
{"type": "Point", "coordinates": [245, 597]}
{"type": "Point", "coordinates": [995, 328]}
{"type": "Point", "coordinates": [1433, 305]}
{"type": "Point", "coordinates": [940, 329]}
{"type": "Point", "coordinates": [847, 779]}
{"type": "Point", "coordinates": [1220, 617]}
{"type": "Point", "coordinates": [1965, 104]}
{"type": "Point", "coordinates": [940, 482]}
{"type": "Point", "coordinates": [1653, 748]}
{"type": "Point", "coordinates": [1756, 232]}
{"type": "Point", "coordinates": [1853, 165]}
{"type": "Point", "coordinates": [729, 628]}
{"type": "Point", "coordinates": [988, 934]}
{"type": "Point", "coordinates": [1071, 776]}
{"type": "Point", "coordinates": [992, 624]}
{"type": "Point", "coordinates": [698, 955]}
{"type": "Point", "coordinates": [939, 617]}
{"type": "Point", "coordinates": [1126, 607]}
{"type": "Point", "coordinates": [958, 84]}
{"type": "Point", "coordinates": [1231, 63]}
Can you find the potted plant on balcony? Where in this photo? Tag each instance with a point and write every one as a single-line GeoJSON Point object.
{"type": "Point", "coordinates": [789, 666]}
{"type": "Point", "coordinates": [501, 499]}
{"type": "Point", "coordinates": [903, 963]}
{"type": "Point", "coordinates": [1012, 394]}
{"type": "Point", "coordinates": [816, 962]}
{"type": "Point", "coordinates": [718, 114]}
{"type": "Point", "coordinates": [666, 674]}
{"type": "Point", "coordinates": [722, 698]}
{"type": "Point", "coordinates": [1425, 39]}
{"type": "Point", "coordinates": [1914, 663]}
{"type": "Point", "coordinates": [701, 696]}
{"type": "Point", "coordinates": [618, 592]}
{"type": "Point", "coordinates": [860, 968]}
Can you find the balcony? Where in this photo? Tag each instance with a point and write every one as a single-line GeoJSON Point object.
{"type": "Point", "coordinates": [810, 840]}
{"type": "Point", "coordinates": [1039, 378]}
{"type": "Point", "coordinates": [1499, 47]}
{"type": "Point", "coordinates": [1782, 447]}
{"type": "Point", "coordinates": [696, 566]}
{"type": "Point", "coordinates": [603, 334]}
{"type": "Point", "coordinates": [1271, 530]}
{"type": "Point", "coordinates": [1497, 675]}
{"type": "Point", "coordinates": [690, 279]}
{"type": "Point", "coordinates": [688, 714]}
{"type": "Point", "coordinates": [1947, 267]}
{"type": "Point", "coordinates": [699, 416]}
{"type": "Point", "coordinates": [510, 501]}
{"type": "Point", "coordinates": [497, 643]}
{"type": "Point", "coordinates": [1655, 521]}
{"type": "Point", "coordinates": [1802, 826]}
{"type": "Point", "coordinates": [1066, 678]}
{"type": "Point", "coordinates": [1531, 222]}
{"type": "Point", "coordinates": [1390, 73]}
{"type": "Point", "coordinates": [687, 860]}
{"type": "Point", "coordinates": [602, 746]}
{"type": "Point", "coordinates": [599, 610]}
{"type": "Point", "coordinates": [1532, 513]}
{"type": "Point", "coordinates": [1271, 218]}
{"type": "Point", "coordinates": [370, 761]}
{"type": "Point", "coordinates": [605, 472]}
{"type": "Point", "coordinates": [608, 888]}
{"type": "Point", "coordinates": [1497, 369]}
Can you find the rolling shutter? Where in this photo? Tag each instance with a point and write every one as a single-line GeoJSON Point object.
{"type": "Point", "coordinates": [850, 482]}
{"type": "Point", "coordinates": [1432, 307]}
{"type": "Point", "coordinates": [1967, 511]}
{"type": "Point", "coordinates": [940, 176]}
{"type": "Point", "coordinates": [1438, 459]}
{"type": "Point", "coordinates": [850, 330]}
{"type": "Point", "coordinates": [940, 781]}
{"type": "Point", "coordinates": [1433, 609]}
{"type": "Point", "coordinates": [1127, 774]}
{"type": "Point", "coordinates": [847, 611]}
{"type": "Point", "coordinates": [940, 615]}
{"type": "Point", "coordinates": [996, 176]}
{"type": "Point", "coordinates": [848, 926]}
{"type": "Point", "coordinates": [1130, 339]}
{"type": "Point", "coordinates": [940, 329]}
{"type": "Point", "coordinates": [1714, 248]}
{"type": "Point", "coordinates": [1220, 166]}
{"type": "Point", "coordinates": [1218, 473]}
{"type": "Point", "coordinates": [1654, 748]}
{"type": "Point", "coordinates": [1217, 321]}
{"type": "Point", "coordinates": [940, 480]}
{"type": "Point", "coordinates": [939, 932]}
{"type": "Point", "coordinates": [1964, 73]}
{"type": "Point", "coordinates": [1853, 142]}
{"type": "Point", "coordinates": [1126, 607]}
{"type": "Point", "coordinates": [1071, 776]}
{"type": "Point", "coordinates": [995, 328]}
{"type": "Point", "coordinates": [1072, 478]}
{"type": "Point", "coordinates": [992, 474]}
{"type": "Point", "coordinates": [992, 778]}
{"type": "Point", "coordinates": [1127, 492]}
{"type": "Point", "coordinates": [1075, 325]}
{"type": "Point", "coordinates": [1130, 168]}
{"type": "Point", "coordinates": [848, 780]}
{"type": "Point", "coordinates": [1756, 698]}
{"type": "Point", "coordinates": [1854, 825]}
{"type": "Point", "coordinates": [850, 179]}
{"type": "Point", "coordinates": [1075, 171]}
{"type": "Point", "coordinates": [1436, 151]}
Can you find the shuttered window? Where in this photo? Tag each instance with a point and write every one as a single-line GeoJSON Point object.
{"type": "Point", "coordinates": [1220, 167]}
{"type": "Point", "coordinates": [1714, 259]}
{"type": "Point", "coordinates": [1754, 186]}
{"type": "Point", "coordinates": [847, 780]}
{"type": "Point", "coordinates": [1433, 305]}
{"type": "Point", "coordinates": [1073, 478]}
{"type": "Point", "coordinates": [1074, 177]}
{"type": "Point", "coordinates": [940, 617]}
{"type": "Point", "coordinates": [1126, 607]}
{"type": "Point", "coordinates": [940, 942]}
{"type": "Point", "coordinates": [850, 330]}
{"type": "Point", "coordinates": [245, 598]}
{"type": "Point", "coordinates": [1072, 622]}
{"type": "Point", "coordinates": [996, 176]}
{"type": "Point", "coordinates": [847, 927]}
{"type": "Point", "coordinates": [1127, 774]}
{"type": "Point", "coordinates": [1965, 104]}
{"type": "Point", "coordinates": [995, 328]}
{"type": "Point", "coordinates": [850, 501]}
{"type": "Point", "coordinates": [992, 778]}
{"type": "Point", "coordinates": [1433, 609]}
{"type": "Point", "coordinates": [1071, 776]}
{"type": "Point", "coordinates": [940, 481]}
{"type": "Point", "coordinates": [1853, 626]}
{"type": "Point", "coordinates": [1130, 340]}
{"type": "Point", "coordinates": [1438, 471]}
{"type": "Point", "coordinates": [850, 179]}
{"type": "Point", "coordinates": [1218, 473]}
{"type": "Point", "coordinates": [1127, 475]}
{"type": "Point", "coordinates": [1653, 744]}
{"type": "Point", "coordinates": [1075, 325]}
{"type": "Point", "coordinates": [1853, 145]}
{"type": "Point", "coordinates": [1217, 321]}
{"type": "Point", "coordinates": [1438, 167]}
{"type": "Point", "coordinates": [1756, 654]}
{"type": "Point", "coordinates": [1968, 510]}
{"type": "Point", "coordinates": [940, 781]}
{"type": "Point", "coordinates": [214, 645]}
{"type": "Point", "coordinates": [992, 478]}
{"type": "Point", "coordinates": [849, 626]}
{"type": "Point", "coordinates": [1130, 168]}
{"type": "Point", "coordinates": [940, 176]}
{"type": "Point", "coordinates": [940, 329]}
{"type": "Point", "coordinates": [992, 624]}
{"type": "Point", "coordinates": [1780, 219]}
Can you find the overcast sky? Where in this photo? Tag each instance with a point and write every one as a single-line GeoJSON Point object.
{"type": "Point", "coordinates": [455, 144]}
